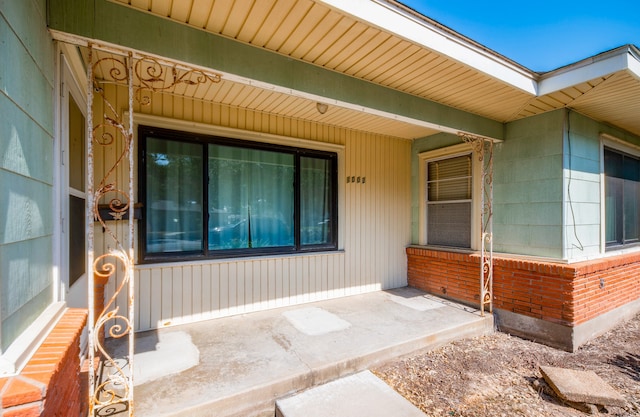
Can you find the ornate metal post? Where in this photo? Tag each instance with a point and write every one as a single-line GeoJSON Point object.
{"type": "Point", "coordinates": [483, 148]}
{"type": "Point", "coordinates": [113, 393]}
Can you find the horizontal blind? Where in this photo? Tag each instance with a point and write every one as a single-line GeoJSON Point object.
{"type": "Point", "coordinates": [449, 179]}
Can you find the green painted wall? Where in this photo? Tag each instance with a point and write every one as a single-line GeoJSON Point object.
{"type": "Point", "coordinates": [582, 186]}
{"type": "Point", "coordinates": [107, 21]}
{"type": "Point", "coordinates": [527, 187]}
{"type": "Point", "coordinates": [582, 167]}
{"type": "Point", "coordinates": [546, 195]}
{"type": "Point", "coordinates": [26, 165]}
{"type": "Point", "coordinates": [527, 183]}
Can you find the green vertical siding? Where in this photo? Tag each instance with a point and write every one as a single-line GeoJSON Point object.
{"type": "Point", "coordinates": [26, 167]}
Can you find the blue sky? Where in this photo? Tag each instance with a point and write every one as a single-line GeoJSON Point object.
{"type": "Point", "coordinates": [542, 35]}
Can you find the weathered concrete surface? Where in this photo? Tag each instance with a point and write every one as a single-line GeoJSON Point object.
{"type": "Point", "coordinates": [359, 395]}
{"type": "Point", "coordinates": [581, 386]}
{"type": "Point", "coordinates": [314, 321]}
{"type": "Point", "coordinates": [247, 362]}
{"type": "Point", "coordinates": [564, 337]}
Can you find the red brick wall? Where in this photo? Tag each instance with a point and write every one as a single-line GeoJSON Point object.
{"type": "Point", "coordinates": [50, 384]}
{"type": "Point", "coordinates": [568, 294]}
{"type": "Point", "coordinates": [454, 275]}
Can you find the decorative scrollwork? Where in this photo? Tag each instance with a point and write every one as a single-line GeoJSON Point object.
{"type": "Point", "coordinates": [483, 149]}
{"type": "Point", "coordinates": [143, 76]}
{"type": "Point", "coordinates": [115, 388]}
{"type": "Point", "coordinates": [116, 69]}
{"type": "Point", "coordinates": [150, 75]}
{"type": "Point", "coordinates": [113, 394]}
{"type": "Point", "coordinates": [104, 138]}
{"type": "Point", "coordinates": [153, 77]}
{"type": "Point", "coordinates": [119, 205]}
{"type": "Point", "coordinates": [112, 409]}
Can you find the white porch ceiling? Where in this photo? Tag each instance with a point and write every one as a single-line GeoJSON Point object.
{"type": "Point", "coordinates": [330, 37]}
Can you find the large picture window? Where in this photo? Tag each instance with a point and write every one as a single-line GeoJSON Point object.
{"type": "Point", "coordinates": [622, 198]}
{"type": "Point", "coordinates": [449, 197]}
{"type": "Point", "coordinates": [211, 197]}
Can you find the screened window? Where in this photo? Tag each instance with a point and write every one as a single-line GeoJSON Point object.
{"type": "Point", "coordinates": [622, 198]}
{"type": "Point", "coordinates": [208, 196]}
{"type": "Point", "coordinates": [449, 197]}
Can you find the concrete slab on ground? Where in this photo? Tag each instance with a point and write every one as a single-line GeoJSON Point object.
{"type": "Point", "coordinates": [172, 353]}
{"type": "Point", "coordinates": [248, 361]}
{"type": "Point", "coordinates": [359, 395]}
{"type": "Point", "coordinates": [581, 386]}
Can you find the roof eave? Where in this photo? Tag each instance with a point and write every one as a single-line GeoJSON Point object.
{"type": "Point", "coordinates": [388, 16]}
{"type": "Point", "coordinates": [624, 58]}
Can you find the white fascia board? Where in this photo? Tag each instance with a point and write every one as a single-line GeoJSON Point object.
{"type": "Point", "coordinates": [588, 70]}
{"type": "Point", "coordinates": [634, 65]}
{"type": "Point", "coordinates": [431, 37]}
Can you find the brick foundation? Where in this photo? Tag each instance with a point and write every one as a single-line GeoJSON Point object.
{"type": "Point", "coordinates": [566, 294]}
{"type": "Point", "coordinates": [50, 384]}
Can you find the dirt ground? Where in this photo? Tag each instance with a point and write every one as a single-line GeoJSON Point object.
{"type": "Point", "coordinates": [498, 375]}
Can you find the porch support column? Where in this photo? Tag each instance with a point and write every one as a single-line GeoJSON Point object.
{"type": "Point", "coordinates": [112, 394]}
{"type": "Point", "coordinates": [483, 149]}
{"type": "Point", "coordinates": [111, 200]}
{"type": "Point", "coordinates": [91, 296]}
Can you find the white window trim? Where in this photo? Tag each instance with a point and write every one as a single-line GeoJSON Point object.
{"type": "Point", "coordinates": [76, 295]}
{"type": "Point", "coordinates": [215, 130]}
{"type": "Point", "coordinates": [612, 142]}
{"type": "Point", "coordinates": [476, 171]}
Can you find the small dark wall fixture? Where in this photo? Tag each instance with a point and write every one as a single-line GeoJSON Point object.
{"type": "Point", "coordinates": [108, 213]}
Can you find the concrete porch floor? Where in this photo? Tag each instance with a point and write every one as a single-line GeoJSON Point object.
{"type": "Point", "coordinates": [239, 366]}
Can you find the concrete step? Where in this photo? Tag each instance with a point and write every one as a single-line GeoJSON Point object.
{"type": "Point", "coordinates": [359, 395]}
{"type": "Point", "coordinates": [259, 401]}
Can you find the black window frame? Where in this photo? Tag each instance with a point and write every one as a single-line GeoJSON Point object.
{"type": "Point", "coordinates": [204, 140]}
{"type": "Point", "coordinates": [623, 241]}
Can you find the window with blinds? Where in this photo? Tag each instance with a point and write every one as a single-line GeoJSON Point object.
{"type": "Point", "coordinates": [449, 196]}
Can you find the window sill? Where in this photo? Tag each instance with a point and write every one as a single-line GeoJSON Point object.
{"type": "Point", "coordinates": [622, 249]}
{"type": "Point", "coordinates": [467, 251]}
{"type": "Point", "coordinates": [149, 264]}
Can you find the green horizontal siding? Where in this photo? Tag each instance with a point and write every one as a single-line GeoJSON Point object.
{"type": "Point", "coordinates": [528, 185]}
{"type": "Point", "coordinates": [26, 167]}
